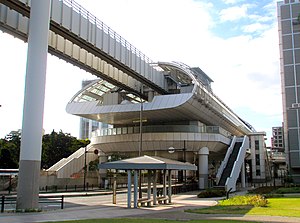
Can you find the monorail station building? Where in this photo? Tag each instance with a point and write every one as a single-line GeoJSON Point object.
{"type": "Point", "coordinates": [189, 123]}
{"type": "Point", "coordinates": [157, 109]}
{"type": "Point", "coordinates": [162, 109]}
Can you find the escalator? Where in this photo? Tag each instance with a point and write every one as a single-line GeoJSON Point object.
{"type": "Point", "coordinates": [230, 168]}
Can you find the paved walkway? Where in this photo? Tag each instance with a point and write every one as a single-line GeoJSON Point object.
{"type": "Point", "coordinates": [89, 208]}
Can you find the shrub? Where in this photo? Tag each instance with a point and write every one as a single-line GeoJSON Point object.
{"type": "Point", "coordinates": [287, 190]}
{"type": "Point", "coordinates": [254, 200]}
{"type": "Point", "coordinates": [262, 190]}
{"type": "Point", "coordinates": [212, 193]}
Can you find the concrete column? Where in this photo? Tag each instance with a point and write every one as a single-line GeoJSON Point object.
{"type": "Point", "coordinates": [33, 110]}
{"type": "Point", "coordinates": [243, 176]}
{"type": "Point", "coordinates": [170, 187]}
{"type": "Point", "coordinates": [135, 185]}
{"type": "Point", "coordinates": [154, 187]}
{"type": "Point", "coordinates": [149, 184]}
{"type": "Point", "coordinates": [128, 188]}
{"type": "Point", "coordinates": [165, 183]}
{"type": "Point", "coordinates": [203, 167]}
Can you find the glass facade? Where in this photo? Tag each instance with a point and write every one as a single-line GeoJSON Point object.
{"type": "Point", "coordinates": [289, 42]}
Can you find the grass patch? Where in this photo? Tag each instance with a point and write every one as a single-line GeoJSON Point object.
{"type": "Point", "coordinates": [140, 220]}
{"type": "Point", "coordinates": [289, 207]}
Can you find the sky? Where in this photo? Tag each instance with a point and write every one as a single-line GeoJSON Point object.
{"type": "Point", "coordinates": [235, 42]}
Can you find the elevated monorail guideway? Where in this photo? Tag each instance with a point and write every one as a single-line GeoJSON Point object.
{"type": "Point", "coordinates": [81, 39]}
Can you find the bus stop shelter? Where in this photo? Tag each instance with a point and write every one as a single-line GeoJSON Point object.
{"type": "Point", "coordinates": [152, 164]}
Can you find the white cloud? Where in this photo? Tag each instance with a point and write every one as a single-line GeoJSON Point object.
{"type": "Point", "coordinates": [245, 68]}
{"type": "Point", "coordinates": [255, 27]}
{"type": "Point", "coordinates": [233, 13]}
{"type": "Point", "coordinates": [231, 1]}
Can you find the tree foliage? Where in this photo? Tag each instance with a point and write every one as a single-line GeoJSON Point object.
{"type": "Point", "coordinates": [10, 150]}
{"type": "Point", "coordinates": [55, 147]}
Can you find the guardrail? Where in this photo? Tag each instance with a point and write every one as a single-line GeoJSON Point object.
{"type": "Point", "coordinates": [12, 201]}
{"type": "Point", "coordinates": [161, 129]}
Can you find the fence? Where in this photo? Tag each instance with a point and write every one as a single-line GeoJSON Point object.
{"type": "Point", "coordinates": [11, 201]}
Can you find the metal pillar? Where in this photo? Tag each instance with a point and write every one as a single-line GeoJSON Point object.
{"type": "Point", "coordinates": [135, 185]}
{"type": "Point", "coordinates": [115, 189]}
{"type": "Point", "coordinates": [165, 185]}
{"type": "Point", "coordinates": [33, 110]}
{"type": "Point", "coordinates": [170, 187]}
{"type": "Point", "coordinates": [128, 188]}
{"type": "Point", "coordinates": [149, 184]}
{"type": "Point", "coordinates": [203, 167]}
{"type": "Point", "coordinates": [154, 187]}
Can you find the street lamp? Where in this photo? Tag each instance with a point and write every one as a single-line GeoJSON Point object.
{"type": "Point", "coordinates": [85, 166]}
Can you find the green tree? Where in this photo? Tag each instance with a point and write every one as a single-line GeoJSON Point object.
{"type": "Point", "coordinates": [55, 147]}
{"type": "Point", "coordinates": [59, 145]}
{"type": "Point", "coordinates": [10, 150]}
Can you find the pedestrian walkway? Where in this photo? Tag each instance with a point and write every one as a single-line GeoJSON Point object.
{"type": "Point", "coordinates": [93, 207]}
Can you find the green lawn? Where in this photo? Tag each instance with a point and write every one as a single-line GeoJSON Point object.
{"type": "Point", "coordinates": [128, 220]}
{"type": "Point", "coordinates": [289, 207]}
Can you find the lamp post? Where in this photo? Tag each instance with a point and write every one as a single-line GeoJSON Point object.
{"type": "Point", "coordinates": [85, 166]}
{"type": "Point", "coordinates": [141, 144]}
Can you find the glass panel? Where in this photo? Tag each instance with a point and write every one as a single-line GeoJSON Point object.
{"type": "Point", "coordinates": [290, 96]}
{"type": "Point", "coordinates": [286, 27]}
{"type": "Point", "coordinates": [124, 130]}
{"type": "Point", "coordinates": [119, 131]}
{"type": "Point", "coordinates": [287, 42]}
{"type": "Point", "coordinates": [130, 130]}
{"type": "Point", "coordinates": [289, 75]}
{"type": "Point", "coordinates": [293, 139]}
{"type": "Point", "coordinates": [288, 57]}
{"type": "Point", "coordinates": [285, 12]}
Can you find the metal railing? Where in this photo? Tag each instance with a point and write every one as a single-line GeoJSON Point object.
{"type": "Point", "coordinates": [160, 129]}
{"type": "Point", "coordinates": [11, 201]}
{"type": "Point", "coordinates": [94, 20]}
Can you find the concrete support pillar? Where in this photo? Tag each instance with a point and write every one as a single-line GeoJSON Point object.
{"type": "Point", "coordinates": [149, 184]}
{"type": "Point", "coordinates": [128, 188]}
{"type": "Point", "coordinates": [154, 187]}
{"type": "Point", "coordinates": [203, 167]}
{"type": "Point", "coordinates": [243, 175]}
{"type": "Point", "coordinates": [33, 111]}
{"type": "Point", "coordinates": [165, 183]}
{"type": "Point", "coordinates": [135, 185]}
{"type": "Point", "coordinates": [170, 186]}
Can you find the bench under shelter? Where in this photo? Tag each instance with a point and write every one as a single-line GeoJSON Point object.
{"type": "Point", "coordinates": [152, 164]}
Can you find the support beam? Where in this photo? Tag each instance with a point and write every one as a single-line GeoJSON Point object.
{"type": "Point", "coordinates": [135, 185]}
{"type": "Point", "coordinates": [203, 168]}
{"type": "Point", "coordinates": [149, 184]}
{"type": "Point", "coordinates": [154, 187]}
{"type": "Point", "coordinates": [170, 186]}
{"type": "Point", "coordinates": [33, 111]}
{"type": "Point", "coordinates": [165, 184]}
{"type": "Point", "coordinates": [128, 188]}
